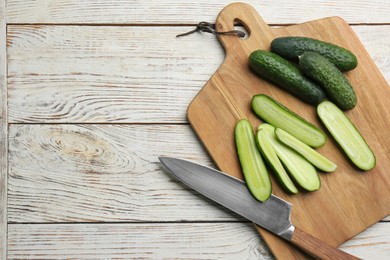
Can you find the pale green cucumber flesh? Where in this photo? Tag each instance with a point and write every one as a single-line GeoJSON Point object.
{"type": "Point", "coordinates": [280, 116]}
{"type": "Point", "coordinates": [252, 165]}
{"type": "Point", "coordinates": [302, 171]}
{"type": "Point", "coordinates": [346, 135]}
{"type": "Point", "coordinates": [314, 157]}
{"type": "Point", "coordinates": [268, 152]}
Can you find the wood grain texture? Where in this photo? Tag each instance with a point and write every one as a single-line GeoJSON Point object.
{"type": "Point", "coordinates": [106, 74]}
{"type": "Point", "coordinates": [65, 74]}
{"type": "Point", "coordinates": [109, 173]}
{"type": "Point", "coordinates": [136, 241]}
{"type": "Point", "coordinates": [185, 12]}
{"type": "Point", "coordinates": [3, 133]}
{"type": "Point", "coordinates": [226, 97]}
{"type": "Point", "coordinates": [376, 238]}
{"type": "Point", "coordinates": [163, 241]}
{"type": "Point", "coordinates": [317, 248]}
{"type": "Point", "coordinates": [90, 173]}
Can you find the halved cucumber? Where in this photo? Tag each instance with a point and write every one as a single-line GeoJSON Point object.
{"type": "Point", "coordinates": [252, 165]}
{"type": "Point", "coordinates": [314, 157]}
{"type": "Point", "coordinates": [303, 172]}
{"type": "Point", "coordinates": [346, 135]}
{"type": "Point", "coordinates": [269, 154]}
{"type": "Point", "coordinates": [280, 116]}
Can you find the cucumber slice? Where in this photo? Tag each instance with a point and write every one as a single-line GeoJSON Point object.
{"type": "Point", "coordinates": [252, 165]}
{"type": "Point", "coordinates": [268, 152]}
{"type": "Point", "coordinates": [314, 157]}
{"type": "Point", "coordinates": [280, 116]}
{"type": "Point", "coordinates": [303, 172]}
{"type": "Point", "coordinates": [346, 135]}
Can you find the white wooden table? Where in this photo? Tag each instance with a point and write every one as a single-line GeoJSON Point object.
{"type": "Point", "coordinates": [93, 91]}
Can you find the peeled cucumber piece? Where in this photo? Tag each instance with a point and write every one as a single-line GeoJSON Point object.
{"type": "Point", "coordinates": [346, 135]}
{"type": "Point", "coordinates": [314, 157]}
{"type": "Point", "coordinates": [302, 171]}
{"type": "Point", "coordinates": [269, 154]}
{"type": "Point", "coordinates": [252, 165]}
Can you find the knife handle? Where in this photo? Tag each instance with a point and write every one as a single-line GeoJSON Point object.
{"type": "Point", "coordinates": [317, 248]}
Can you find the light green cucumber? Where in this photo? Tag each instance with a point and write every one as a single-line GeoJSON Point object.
{"type": "Point", "coordinates": [314, 157]}
{"type": "Point", "coordinates": [346, 135]}
{"type": "Point", "coordinates": [277, 115]}
{"type": "Point", "coordinates": [252, 165]}
{"type": "Point", "coordinates": [269, 154]}
{"type": "Point", "coordinates": [302, 171]}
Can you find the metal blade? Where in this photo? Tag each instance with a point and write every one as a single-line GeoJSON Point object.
{"type": "Point", "coordinates": [232, 193]}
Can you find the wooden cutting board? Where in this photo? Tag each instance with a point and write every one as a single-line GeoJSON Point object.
{"type": "Point", "coordinates": [349, 200]}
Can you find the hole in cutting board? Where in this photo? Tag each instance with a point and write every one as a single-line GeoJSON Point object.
{"type": "Point", "coordinates": [239, 25]}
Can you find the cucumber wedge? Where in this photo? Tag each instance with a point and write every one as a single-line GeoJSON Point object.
{"type": "Point", "coordinates": [252, 165]}
{"type": "Point", "coordinates": [280, 116]}
{"type": "Point", "coordinates": [314, 157]}
{"type": "Point", "coordinates": [346, 135]}
{"type": "Point", "coordinates": [268, 152]}
{"type": "Point", "coordinates": [303, 172]}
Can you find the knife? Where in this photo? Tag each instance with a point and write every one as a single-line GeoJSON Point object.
{"type": "Point", "coordinates": [232, 193]}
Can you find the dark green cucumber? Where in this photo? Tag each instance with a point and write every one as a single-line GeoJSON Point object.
{"type": "Point", "coordinates": [268, 152]}
{"type": "Point", "coordinates": [252, 165]}
{"type": "Point", "coordinates": [274, 113]}
{"type": "Point", "coordinates": [292, 47]}
{"type": "Point", "coordinates": [346, 135]}
{"type": "Point", "coordinates": [274, 68]}
{"type": "Point", "coordinates": [302, 171]}
{"type": "Point", "coordinates": [325, 73]}
{"type": "Point", "coordinates": [314, 157]}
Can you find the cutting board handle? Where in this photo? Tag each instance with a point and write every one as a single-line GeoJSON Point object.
{"type": "Point", "coordinates": [260, 34]}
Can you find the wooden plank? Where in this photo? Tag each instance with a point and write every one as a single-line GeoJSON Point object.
{"type": "Point", "coordinates": [182, 11]}
{"type": "Point", "coordinates": [3, 133]}
{"type": "Point", "coordinates": [100, 74]}
{"type": "Point", "coordinates": [164, 241]}
{"type": "Point", "coordinates": [373, 243]}
{"type": "Point", "coordinates": [65, 74]}
{"type": "Point", "coordinates": [89, 173]}
{"type": "Point", "coordinates": [136, 241]}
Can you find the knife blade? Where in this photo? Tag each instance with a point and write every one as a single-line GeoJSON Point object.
{"type": "Point", "coordinates": [232, 193]}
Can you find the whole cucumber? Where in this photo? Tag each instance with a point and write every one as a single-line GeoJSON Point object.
{"type": "Point", "coordinates": [293, 46]}
{"type": "Point", "coordinates": [336, 85]}
{"type": "Point", "coordinates": [280, 71]}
